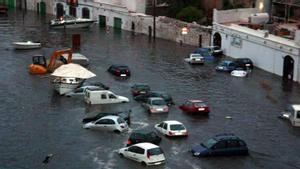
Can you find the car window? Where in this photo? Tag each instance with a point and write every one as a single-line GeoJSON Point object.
{"type": "Point", "coordinates": [110, 121]}
{"type": "Point", "coordinates": [220, 145]}
{"type": "Point", "coordinates": [165, 126]}
{"type": "Point", "coordinates": [103, 96]}
{"type": "Point", "coordinates": [103, 121]}
{"type": "Point", "coordinates": [209, 143]}
{"type": "Point", "coordinates": [298, 114]}
{"type": "Point", "coordinates": [133, 149]}
{"type": "Point", "coordinates": [111, 96]}
{"type": "Point", "coordinates": [120, 121]}
{"type": "Point", "coordinates": [161, 125]}
{"type": "Point", "coordinates": [79, 90]}
{"type": "Point", "coordinates": [175, 127]}
{"type": "Point", "coordinates": [158, 102]}
{"type": "Point", "coordinates": [232, 143]}
{"type": "Point", "coordinates": [140, 150]}
{"type": "Point", "coordinates": [155, 151]}
{"type": "Point", "coordinates": [200, 104]}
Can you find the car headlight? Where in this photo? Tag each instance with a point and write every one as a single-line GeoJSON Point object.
{"type": "Point", "coordinates": [196, 153]}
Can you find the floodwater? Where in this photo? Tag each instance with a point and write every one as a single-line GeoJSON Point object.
{"type": "Point", "coordinates": [35, 121]}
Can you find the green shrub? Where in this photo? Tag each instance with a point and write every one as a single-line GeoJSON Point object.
{"type": "Point", "coordinates": [190, 14]}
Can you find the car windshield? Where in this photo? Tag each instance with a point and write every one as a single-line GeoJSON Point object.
{"type": "Point", "coordinates": [209, 143]}
{"type": "Point", "coordinates": [155, 151]}
{"type": "Point", "coordinates": [143, 87]}
{"type": "Point", "coordinates": [177, 127]}
{"type": "Point", "coordinates": [196, 56]}
{"type": "Point", "coordinates": [123, 67]}
{"type": "Point", "coordinates": [120, 121]}
{"type": "Point", "coordinates": [158, 102]}
{"type": "Point", "coordinates": [199, 104]}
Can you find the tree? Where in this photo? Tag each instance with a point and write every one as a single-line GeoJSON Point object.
{"type": "Point", "coordinates": [190, 14]}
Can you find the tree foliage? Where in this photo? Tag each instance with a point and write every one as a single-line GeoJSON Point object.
{"type": "Point", "coordinates": [190, 14]}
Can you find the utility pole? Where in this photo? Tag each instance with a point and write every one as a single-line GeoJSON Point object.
{"type": "Point", "coordinates": [154, 19]}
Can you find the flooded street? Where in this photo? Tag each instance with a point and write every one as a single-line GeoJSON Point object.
{"type": "Point", "coordinates": [35, 121]}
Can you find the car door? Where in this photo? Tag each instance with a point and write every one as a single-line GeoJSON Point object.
{"type": "Point", "coordinates": [110, 125]}
{"type": "Point", "coordinates": [219, 148]}
{"type": "Point", "coordinates": [164, 129]}
{"type": "Point", "coordinates": [132, 153]}
{"type": "Point", "coordinates": [104, 98]}
{"type": "Point", "coordinates": [101, 124]}
{"type": "Point", "coordinates": [113, 98]}
{"type": "Point", "coordinates": [140, 154]}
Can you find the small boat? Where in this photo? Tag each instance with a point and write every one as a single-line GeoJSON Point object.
{"type": "Point", "coordinates": [68, 77]}
{"type": "Point", "coordinates": [71, 22]}
{"type": "Point", "coordinates": [27, 45]}
{"type": "Point", "coordinates": [78, 59]}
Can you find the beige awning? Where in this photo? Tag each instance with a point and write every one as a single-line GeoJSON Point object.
{"type": "Point", "coordinates": [73, 70]}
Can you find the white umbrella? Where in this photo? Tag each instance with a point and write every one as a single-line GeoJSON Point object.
{"type": "Point", "coordinates": [73, 70]}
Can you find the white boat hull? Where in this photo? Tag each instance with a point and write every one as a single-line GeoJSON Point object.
{"type": "Point", "coordinates": [72, 25]}
{"type": "Point", "coordinates": [63, 88]}
{"type": "Point", "coordinates": [21, 45]}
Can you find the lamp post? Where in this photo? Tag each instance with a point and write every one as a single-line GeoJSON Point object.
{"type": "Point", "coordinates": [154, 19]}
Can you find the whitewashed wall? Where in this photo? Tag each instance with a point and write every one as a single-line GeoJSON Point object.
{"type": "Point", "coordinates": [233, 15]}
{"type": "Point", "coordinates": [266, 54]}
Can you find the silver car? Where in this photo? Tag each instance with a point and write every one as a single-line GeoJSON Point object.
{"type": "Point", "coordinates": [156, 105]}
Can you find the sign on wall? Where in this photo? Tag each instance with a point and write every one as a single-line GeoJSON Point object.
{"type": "Point", "coordinates": [72, 2]}
{"type": "Point", "coordinates": [236, 41]}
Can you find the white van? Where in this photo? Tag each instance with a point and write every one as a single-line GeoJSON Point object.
{"type": "Point", "coordinates": [293, 114]}
{"type": "Point", "coordinates": [103, 97]}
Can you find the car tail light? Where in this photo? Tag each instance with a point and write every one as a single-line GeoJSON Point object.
{"type": "Point", "coordinates": [171, 133]}
{"type": "Point", "coordinates": [166, 109]}
{"type": "Point", "coordinates": [186, 133]}
{"type": "Point", "coordinates": [148, 155]}
{"type": "Point", "coordinates": [118, 72]}
{"type": "Point", "coordinates": [127, 70]}
{"type": "Point", "coordinates": [122, 126]}
{"type": "Point", "coordinates": [129, 142]}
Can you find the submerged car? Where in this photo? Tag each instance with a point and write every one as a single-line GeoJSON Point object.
{"type": "Point", "coordinates": [239, 72]}
{"type": "Point", "coordinates": [245, 63]}
{"type": "Point", "coordinates": [143, 98]}
{"type": "Point", "coordinates": [119, 70]}
{"type": "Point", "coordinates": [123, 114]}
{"type": "Point", "coordinates": [110, 123]}
{"type": "Point", "coordinates": [195, 107]}
{"type": "Point", "coordinates": [206, 53]}
{"type": "Point", "coordinates": [215, 50]}
{"type": "Point", "coordinates": [141, 136]}
{"type": "Point", "coordinates": [140, 88]}
{"type": "Point", "coordinates": [221, 145]}
{"type": "Point", "coordinates": [80, 90]}
{"type": "Point", "coordinates": [195, 58]}
{"type": "Point", "coordinates": [171, 128]}
{"type": "Point", "coordinates": [103, 97]}
{"type": "Point", "coordinates": [226, 66]}
{"type": "Point", "coordinates": [156, 105]}
{"type": "Point", "coordinates": [144, 153]}
{"type": "Point", "coordinates": [292, 113]}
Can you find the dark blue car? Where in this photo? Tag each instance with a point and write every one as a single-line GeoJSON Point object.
{"type": "Point", "coordinates": [206, 53]}
{"type": "Point", "coordinates": [221, 145]}
{"type": "Point", "coordinates": [226, 66]}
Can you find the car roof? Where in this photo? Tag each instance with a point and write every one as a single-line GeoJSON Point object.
{"type": "Point", "coordinates": [146, 145]}
{"type": "Point", "coordinates": [226, 136]}
{"type": "Point", "coordinates": [119, 65]}
{"type": "Point", "coordinates": [110, 117]}
{"type": "Point", "coordinates": [140, 84]}
{"type": "Point", "coordinates": [196, 101]}
{"type": "Point", "coordinates": [227, 61]}
{"type": "Point", "coordinates": [142, 131]}
{"type": "Point", "coordinates": [172, 122]}
{"type": "Point", "coordinates": [158, 92]}
{"type": "Point", "coordinates": [296, 106]}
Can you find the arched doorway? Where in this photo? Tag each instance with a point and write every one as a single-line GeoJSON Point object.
{"type": "Point", "coordinates": [217, 40]}
{"type": "Point", "coordinates": [72, 11]}
{"type": "Point", "coordinates": [288, 68]}
{"type": "Point", "coordinates": [59, 10]}
{"type": "Point", "coordinates": [86, 13]}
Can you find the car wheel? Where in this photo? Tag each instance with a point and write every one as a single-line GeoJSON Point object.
{"type": "Point", "coordinates": [121, 155]}
{"type": "Point", "coordinates": [117, 131]}
{"type": "Point", "coordinates": [144, 163]}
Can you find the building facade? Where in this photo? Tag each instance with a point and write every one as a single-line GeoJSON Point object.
{"type": "Point", "coordinates": [268, 52]}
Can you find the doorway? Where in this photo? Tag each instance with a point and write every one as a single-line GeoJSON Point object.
{"type": "Point", "coordinates": [59, 10]}
{"type": "Point", "coordinates": [217, 40]}
{"type": "Point", "coordinates": [288, 68]}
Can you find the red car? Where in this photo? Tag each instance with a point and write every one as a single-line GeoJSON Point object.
{"type": "Point", "coordinates": [194, 106]}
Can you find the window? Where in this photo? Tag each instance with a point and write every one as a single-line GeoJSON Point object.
{"type": "Point", "coordinates": [111, 96]}
{"type": "Point", "coordinates": [161, 125]}
{"type": "Point", "coordinates": [233, 143]}
{"type": "Point", "coordinates": [220, 145]}
{"type": "Point", "coordinates": [120, 120]}
{"type": "Point", "coordinates": [236, 41]}
{"type": "Point", "coordinates": [103, 96]}
{"type": "Point", "coordinates": [155, 151]}
{"type": "Point", "coordinates": [104, 121]}
{"type": "Point", "coordinates": [298, 115]}
{"type": "Point", "coordinates": [132, 149]}
{"type": "Point", "coordinates": [176, 127]}
{"type": "Point", "coordinates": [110, 121]}
{"type": "Point", "coordinates": [165, 126]}
{"type": "Point", "coordinates": [139, 150]}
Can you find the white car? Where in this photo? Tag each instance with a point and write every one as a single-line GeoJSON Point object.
{"type": "Point", "coordinates": [195, 58]}
{"type": "Point", "coordinates": [239, 72]}
{"type": "Point", "coordinates": [144, 153]}
{"type": "Point", "coordinates": [171, 128]}
{"type": "Point", "coordinates": [156, 105]}
{"type": "Point", "coordinates": [110, 123]}
{"type": "Point", "coordinates": [80, 90]}
{"type": "Point", "coordinates": [103, 97]}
